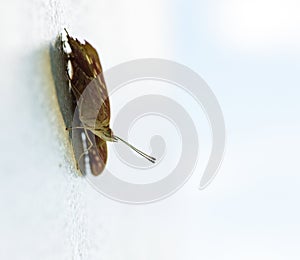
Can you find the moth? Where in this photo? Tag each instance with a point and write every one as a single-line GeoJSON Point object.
{"type": "Point", "coordinates": [84, 70]}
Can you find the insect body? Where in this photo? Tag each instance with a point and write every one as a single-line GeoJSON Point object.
{"type": "Point", "coordinates": [85, 70]}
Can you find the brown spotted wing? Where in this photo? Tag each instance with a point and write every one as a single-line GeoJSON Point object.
{"type": "Point", "coordinates": [86, 70]}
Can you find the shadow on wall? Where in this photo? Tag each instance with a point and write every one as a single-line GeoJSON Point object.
{"type": "Point", "coordinates": [65, 97]}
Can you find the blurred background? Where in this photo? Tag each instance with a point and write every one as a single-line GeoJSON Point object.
{"type": "Point", "coordinates": [247, 51]}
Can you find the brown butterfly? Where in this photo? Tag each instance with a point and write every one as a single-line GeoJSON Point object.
{"type": "Point", "coordinates": [86, 71]}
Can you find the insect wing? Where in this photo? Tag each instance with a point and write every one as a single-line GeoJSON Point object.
{"type": "Point", "coordinates": [94, 110]}
{"type": "Point", "coordinates": [89, 88]}
{"type": "Point", "coordinates": [97, 155]}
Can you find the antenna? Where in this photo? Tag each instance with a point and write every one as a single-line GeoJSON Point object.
{"type": "Point", "coordinates": [146, 156]}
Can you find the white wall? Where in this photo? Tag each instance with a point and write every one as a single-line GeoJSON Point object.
{"type": "Point", "coordinates": [251, 209]}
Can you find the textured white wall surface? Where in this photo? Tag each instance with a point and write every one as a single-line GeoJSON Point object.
{"type": "Point", "coordinates": [251, 209]}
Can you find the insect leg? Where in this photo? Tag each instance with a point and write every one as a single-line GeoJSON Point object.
{"type": "Point", "coordinates": [75, 127]}
{"type": "Point", "coordinates": [88, 137]}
